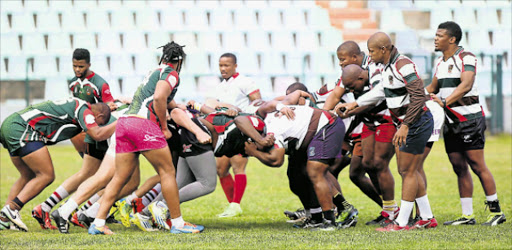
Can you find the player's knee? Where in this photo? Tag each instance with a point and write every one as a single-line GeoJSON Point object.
{"type": "Point", "coordinates": [460, 169]}
{"type": "Point", "coordinates": [367, 163]}
{"type": "Point", "coordinates": [48, 177]}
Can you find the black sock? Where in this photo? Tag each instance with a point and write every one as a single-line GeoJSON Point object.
{"type": "Point", "coordinates": [18, 203]}
{"type": "Point", "coordinates": [329, 215]}
{"type": "Point", "coordinates": [317, 217]}
{"type": "Point", "coordinates": [494, 206]}
{"type": "Point", "coordinates": [338, 202]}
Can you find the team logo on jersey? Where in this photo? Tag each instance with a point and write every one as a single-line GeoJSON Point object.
{"type": "Point", "coordinates": [186, 148]}
{"type": "Point", "coordinates": [89, 119]}
{"type": "Point", "coordinates": [312, 151]}
{"type": "Point", "coordinates": [390, 78]}
{"type": "Point", "coordinates": [450, 68]}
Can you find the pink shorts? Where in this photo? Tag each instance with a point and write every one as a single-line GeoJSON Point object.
{"type": "Point", "coordinates": [135, 134]}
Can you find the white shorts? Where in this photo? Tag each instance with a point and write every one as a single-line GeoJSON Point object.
{"type": "Point", "coordinates": [112, 145]}
{"type": "Point", "coordinates": [438, 115]}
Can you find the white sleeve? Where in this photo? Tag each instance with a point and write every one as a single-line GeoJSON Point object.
{"type": "Point", "coordinates": [249, 87]}
{"type": "Point", "coordinates": [373, 96]}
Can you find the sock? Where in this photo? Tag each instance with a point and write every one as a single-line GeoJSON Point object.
{"type": "Point", "coordinates": [467, 206]}
{"type": "Point", "coordinates": [338, 201]}
{"type": "Point", "coordinates": [93, 210]}
{"type": "Point", "coordinates": [99, 222]}
{"type": "Point", "coordinates": [228, 185]}
{"type": "Point", "coordinates": [68, 208]}
{"type": "Point", "coordinates": [151, 195]}
{"type": "Point", "coordinates": [491, 197]}
{"type": "Point", "coordinates": [405, 210]}
{"type": "Point", "coordinates": [240, 184]}
{"type": "Point", "coordinates": [316, 214]}
{"type": "Point", "coordinates": [329, 215]}
{"type": "Point", "coordinates": [130, 197]}
{"type": "Point", "coordinates": [390, 207]}
{"type": "Point", "coordinates": [59, 194]}
{"type": "Point", "coordinates": [178, 222]}
{"type": "Point", "coordinates": [16, 204]}
{"type": "Point", "coordinates": [91, 201]}
{"type": "Point", "coordinates": [424, 207]}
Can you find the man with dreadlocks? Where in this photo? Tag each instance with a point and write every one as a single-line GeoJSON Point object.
{"type": "Point", "coordinates": [143, 130]}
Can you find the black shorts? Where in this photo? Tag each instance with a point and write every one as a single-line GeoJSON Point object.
{"type": "Point", "coordinates": [464, 136]}
{"type": "Point", "coordinates": [96, 150]}
{"type": "Point", "coordinates": [418, 135]}
{"type": "Point", "coordinates": [190, 146]}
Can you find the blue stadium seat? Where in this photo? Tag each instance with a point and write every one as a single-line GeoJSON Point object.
{"type": "Point", "coordinates": [308, 40]}
{"type": "Point", "coordinates": [73, 21]}
{"type": "Point", "coordinates": [313, 82]}
{"type": "Point", "coordinates": [330, 39]}
{"type": "Point", "coordinates": [232, 4]}
{"type": "Point", "coordinates": [48, 22]}
{"type": "Point", "coordinates": [272, 63]}
{"type": "Point", "coordinates": [34, 6]}
{"type": "Point", "coordinates": [206, 86]}
{"type": "Point", "coordinates": [506, 17]}
{"type": "Point", "coordinates": [134, 41]}
{"type": "Point", "coordinates": [147, 20]}
{"type": "Point", "coordinates": [11, 7]}
{"type": "Point", "coordinates": [56, 88]}
{"type": "Point", "coordinates": [233, 41]}
{"type": "Point", "coordinates": [188, 39]}
{"type": "Point", "coordinates": [23, 22]}
{"type": "Point", "coordinates": [44, 66]}
{"type": "Point", "coordinates": [281, 83]}
{"type": "Point", "coordinates": [247, 62]}
{"type": "Point", "coordinates": [33, 44]}
{"type": "Point", "coordinates": [86, 40]}
{"type": "Point", "coordinates": [136, 5]}
{"type": "Point", "coordinates": [97, 21]}
{"type": "Point", "coordinates": [123, 20]}
{"type": "Point", "coordinates": [187, 89]}
{"type": "Point", "coordinates": [207, 4]}
{"type": "Point", "coordinates": [111, 5]}
{"type": "Point", "coordinates": [5, 27]}
{"type": "Point", "coordinates": [392, 20]}
{"type": "Point", "coordinates": [221, 20]}
{"type": "Point", "coordinates": [60, 43]}
{"type": "Point", "coordinates": [403, 4]}
{"type": "Point", "coordinates": [438, 16]}
{"type": "Point", "coordinates": [295, 63]}
{"type": "Point", "coordinates": [109, 42]}
{"type": "Point", "coordinates": [501, 40]}
{"type": "Point", "coordinates": [145, 62]}
{"type": "Point", "coordinates": [245, 19]}
{"type": "Point", "coordinates": [465, 17]}
{"type": "Point", "coordinates": [256, 4]}
{"type": "Point", "coordinates": [16, 67]}
{"type": "Point", "coordinates": [161, 5]}
{"type": "Point", "coordinates": [294, 19]}
{"type": "Point", "coordinates": [305, 5]}
{"type": "Point", "coordinates": [487, 17]}
{"type": "Point", "coordinates": [87, 5]}
{"type": "Point", "coordinates": [172, 19]}
{"type": "Point", "coordinates": [378, 4]}
{"type": "Point", "coordinates": [10, 40]}
{"type": "Point", "coordinates": [196, 19]}
{"type": "Point", "coordinates": [406, 41]}
{"type": "Point", "coordinates": [114, 85]}
{"type": "Point", "coordinates": [3, 68]}
{"type": "Point", "coordinates": [478, 40]}
{"type": "Point", "coordinates": [282, 41]}
{"type": "Point", "coordinates": [197, 64]}
{"type": "Point", "coordinates": [98, 64]}
{"type": "Point", "coordinates": [323, 62]}
{"type": "Point", "coordinates": [258, 40]}
{"type": "Point", "coordinates": [208, 41]}
{"type": "Point", "coordinates": [270, 19]}
{"type": "Point", "coordinates": [265, 85]}
{"type": "Point", "coordinates": [158, 38]}
{"type": "Point", "coordinates": [121, 65]}
{"type": "Point", "coordinates": [280, 5]}
{"type": "Point", "coordinates": [130, 84]}
{"type": "Point", "coordinates": [65, 65]}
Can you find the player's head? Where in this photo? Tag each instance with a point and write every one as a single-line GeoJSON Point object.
{"type": "Point", "coordinates": [173, 53]}
{"type": "Point", "coordinates": [296, 86]}
{"type": "Point", "coordinates": [81, 62]}
{"type": "Point", "coordinates": [101, 113]}
{"type": "Point", "coordinates": [227, 65]}
{"type": "Point", "coordinates": [448, 34]}
{"type": "Point", "coordinates": [354, 78]}
{"type": "Point", "coordinates": [379, 47]}
{"type": "Point", "coordinates": [348, 53]}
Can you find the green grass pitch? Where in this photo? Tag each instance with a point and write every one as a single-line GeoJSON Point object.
{"type": "Point", "coordinates": [263, 225]}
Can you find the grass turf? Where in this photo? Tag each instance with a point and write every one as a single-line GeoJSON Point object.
{"type": "Point", "coordinates": [262, 224]}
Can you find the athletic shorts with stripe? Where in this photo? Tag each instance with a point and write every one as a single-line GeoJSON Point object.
{"type": "Point", "coordinates": [15, 133]}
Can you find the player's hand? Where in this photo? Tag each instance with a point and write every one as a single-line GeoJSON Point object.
{"type": "Point", "coordinates": [401, 135]}
{"type": "Point", "coordinates": [204, 138]}
{"type": "Point", "coordinates": [288, 112]}
{"type": "Point", "coordinates": [231, 112]}
{"type": "Point", "coordinates": [436, 99]}
{"type": "Point", "coordinates": [167, 133]}
{"type": "Point", "coordinates": [250, 148]}
{"type": "Point", "coordinates": [267, 141]}
{"type": "Point", "coordinates": [191, 103]}
{"type": "Point", "coordinates": [112, 106]}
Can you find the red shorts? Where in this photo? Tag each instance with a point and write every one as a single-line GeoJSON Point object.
{"type": "Point", "coordinates": [383, 133]}
{"type": "Point", "coordinates": [135, 134]}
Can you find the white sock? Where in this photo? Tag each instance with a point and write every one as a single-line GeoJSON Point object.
{"type": "Point", "coordinates": [316, 210]}
{"type": "Point", "coordinates": [178, 222]}
{"type": "Point", "coordinates": [67, 208]}
{"type": "Point", "coordinates": [99, 222]}
{"type": "Point", "coordinates": [491, 197]}
{"type": "Point", "coordinates": [467, 206]}
{"type": "Point", "coordinates": [93, 210]}
{"type": "Point", "coordinates": [424, 207]}
{"type": "Point", "coordinates": [59, 194]}
{"type": "Point", "coordinates": [151, 195]}
{"type": "Point", "coordinates": [405, 210]}
{"type": "Point", "coordinates": [130, 197]}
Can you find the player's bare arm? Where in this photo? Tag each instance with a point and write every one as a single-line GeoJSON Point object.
{"type": "Point", "coordinates": [181, 118]}
{"type": "Point", "coordinates": [334, 98]}
{"type": "Point", "coordinates": [274, 158]}
{"type": "Point", "coordinates": [162, 91]}
{"type": "Point", "coordinates": [244, 124]}
{"type": "Point", "coordinates": [102, 133]}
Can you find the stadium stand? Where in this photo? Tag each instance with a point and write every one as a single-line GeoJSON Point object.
{"type": "Point", "coordinates": [277, 42]}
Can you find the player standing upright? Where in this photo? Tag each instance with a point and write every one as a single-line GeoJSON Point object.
{"type": "Point", "coordinates": [464, 127]}
{"type": "Point", "coordinates": [92, 88]}
{"type": "Point", "coordinates": [240, 91]}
